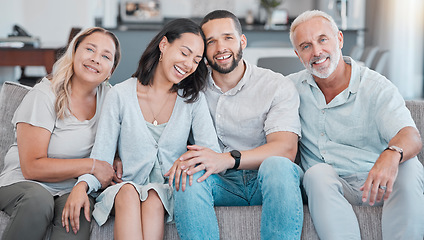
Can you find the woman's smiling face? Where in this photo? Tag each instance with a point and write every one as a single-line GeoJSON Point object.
{"type": "Point", "coordinates": [94, 58]}
{"type": "Point", "coordinates": [181, 57]}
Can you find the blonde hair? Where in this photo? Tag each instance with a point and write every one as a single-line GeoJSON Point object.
{"type": "Point", "coordinates": [63, 69]}
{"type": "Point", "coordinates": [308, 15]}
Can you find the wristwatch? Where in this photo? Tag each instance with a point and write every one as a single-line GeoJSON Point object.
{"type": "Point", "coordinates": [397, 149]}
{"type": "Point", "coordinates": [236, 155]}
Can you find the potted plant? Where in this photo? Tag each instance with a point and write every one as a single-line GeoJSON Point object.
{"type": "Point", "coordinates": [270, 6]}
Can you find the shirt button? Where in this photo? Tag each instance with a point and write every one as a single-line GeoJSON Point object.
{"type": "Point", "coordinates": [323, 111]}
{"type": "Point", "coordinates": [156, 146]}
{"type": "Point", "coordinates": [322, 134]}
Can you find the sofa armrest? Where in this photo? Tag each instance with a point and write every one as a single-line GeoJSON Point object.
{"type": "Point", "coordinates": [11, 96]}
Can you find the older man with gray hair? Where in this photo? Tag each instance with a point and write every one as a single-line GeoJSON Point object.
{"type": "Point", "coordinates": [359, 141]}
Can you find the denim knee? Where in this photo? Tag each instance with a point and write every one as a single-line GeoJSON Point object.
{"type": "Point", "coordinates": [279, 169]}
{"type": "Point", "coordinates": [191, 191]}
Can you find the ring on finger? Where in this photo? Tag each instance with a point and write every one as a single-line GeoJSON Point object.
{"type": "Point", "coordinates": [382, 187]}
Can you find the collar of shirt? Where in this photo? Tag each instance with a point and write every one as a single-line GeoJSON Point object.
{"type": "Point", "coordinates": [345, 94]}
{"type": "Point", "coordinates": [235, 89]}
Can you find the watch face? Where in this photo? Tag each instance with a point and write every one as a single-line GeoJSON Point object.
{"type": "Point", "coordinates": [235, 153]}
{"type": "Point", "coordinates": [397, 149]}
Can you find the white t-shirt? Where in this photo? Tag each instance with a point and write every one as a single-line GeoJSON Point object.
{"type": "Point", "coordinates": [70, 137]}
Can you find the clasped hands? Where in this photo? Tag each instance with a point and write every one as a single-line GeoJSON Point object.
{"type": "Point", "coordinates": [196, 159]}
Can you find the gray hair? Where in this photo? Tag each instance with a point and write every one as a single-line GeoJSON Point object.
{"type": "Point", "coordinates": [308, 15]}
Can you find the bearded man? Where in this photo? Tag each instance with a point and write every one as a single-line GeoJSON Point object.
{"type": "Point", "coordinates": [255, 112]}
{"type": "Point", "coordinates": [359, 142]}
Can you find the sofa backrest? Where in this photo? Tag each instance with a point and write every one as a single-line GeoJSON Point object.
{"type": "Point", "coordinates": [12, 94]}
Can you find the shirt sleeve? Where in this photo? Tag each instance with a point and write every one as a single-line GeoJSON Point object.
{"type": "Point", "coordinates": [106, 137]}
{"type": "Point", "coordinates": [203, 130]}
{"type": "Point", "coordinates": [92, 182]}
{"type": "Point", "coordinates": [37, 109]}
{"type": "Point", "coordinates": [391, 112]}
{"type": "Point", "coordinates": [283, 114]}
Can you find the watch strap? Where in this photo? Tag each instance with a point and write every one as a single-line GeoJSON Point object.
{"type": "Point", "coordinates": [237, 156]}
{"type": "Point", "coordinates": [396, 149]}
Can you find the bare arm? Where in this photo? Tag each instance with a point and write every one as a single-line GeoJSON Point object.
{"type": "Point", "coordinates": [283, 144]}
{"type": "Point", "coordinates": [33, 144]}
{"type": "Point", "coordinates": [385, 169]}
{"type": "Point", "coordinates": [409, 139]}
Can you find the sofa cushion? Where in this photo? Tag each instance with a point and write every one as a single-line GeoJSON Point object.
{"type": "Point", "coordinates": [10, 97]}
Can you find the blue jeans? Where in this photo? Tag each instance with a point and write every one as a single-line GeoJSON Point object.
{"type": "Point", "coordinates": [276, 185]}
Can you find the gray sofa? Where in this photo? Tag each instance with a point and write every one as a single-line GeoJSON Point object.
{"type": "Point", "coordinates": [234, 222]}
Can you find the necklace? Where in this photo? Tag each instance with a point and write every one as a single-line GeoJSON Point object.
{"type": "Point", "coordinates": [155, 122]}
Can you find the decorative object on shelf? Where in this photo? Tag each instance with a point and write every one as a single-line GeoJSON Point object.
{"type": "Point", "coordinates": [141, 11]}
{"type": "Point", "coordinates": [270, 6]}
{"type": "Point", "coordinates": [249, 18]}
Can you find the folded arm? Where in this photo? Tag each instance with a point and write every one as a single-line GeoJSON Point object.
{"type": "Point", "coordinates": [36, 165]}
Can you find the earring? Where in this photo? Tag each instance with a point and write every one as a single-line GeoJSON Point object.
{"type": "Point", "coordinates": [160, 57]}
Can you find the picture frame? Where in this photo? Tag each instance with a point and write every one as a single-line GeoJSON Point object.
{"type": "Point", "coordinates": [140, 11]}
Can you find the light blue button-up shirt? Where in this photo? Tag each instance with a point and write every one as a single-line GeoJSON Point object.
{"type": "Point", "coordinates": [352, 130]}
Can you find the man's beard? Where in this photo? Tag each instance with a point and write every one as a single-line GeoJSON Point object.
{"type": "Point", "coordinates": [234, 63]}
{"type": "Point", "coordinates": [325, 72]}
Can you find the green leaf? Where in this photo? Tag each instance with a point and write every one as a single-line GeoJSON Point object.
{"type": "Point", "coordinates": [268, 4]}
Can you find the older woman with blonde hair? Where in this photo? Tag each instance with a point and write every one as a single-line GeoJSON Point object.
{"type": "Point", "coordinates": [55, 130]}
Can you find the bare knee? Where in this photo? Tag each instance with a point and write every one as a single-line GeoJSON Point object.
{"type": "Point", "coordinates": [127, 196]}
{"type": "Point", "coordinates": [153, 200]}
